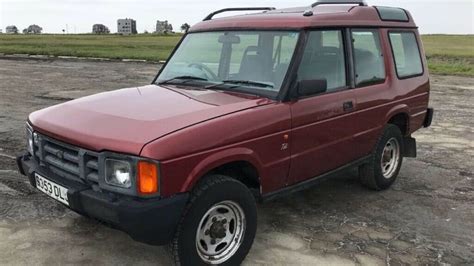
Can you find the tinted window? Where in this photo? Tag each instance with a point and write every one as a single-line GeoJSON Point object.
{"type": "Point", "coordinates": [406, 54]}
{"type": "Point", "coordinates": [323, 59]}
{"type": "Point", "coordinates": [392, 14]}
{"type": "Point", "coordinates": [368, 57]}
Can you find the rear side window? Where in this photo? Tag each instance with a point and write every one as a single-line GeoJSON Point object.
{"type": "Point", "coordinates": [368, 57]}
{"type": "Point", "coordinates": [406, 54]}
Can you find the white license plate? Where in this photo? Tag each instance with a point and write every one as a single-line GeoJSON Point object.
{"type": "Point", "coordinates": [52, 189]}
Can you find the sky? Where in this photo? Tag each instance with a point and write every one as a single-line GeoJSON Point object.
{"type": "Point", "coordinates": [78, 16]}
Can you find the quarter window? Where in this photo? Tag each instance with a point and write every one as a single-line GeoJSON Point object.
{"type": "Point", "coordinates": [368, 57]}
{"type": "Point", "coordinates": [406, 54]}
{"type": "Point", "coordinates": [324, 59]}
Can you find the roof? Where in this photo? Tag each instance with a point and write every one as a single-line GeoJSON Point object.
{"type": "Point", "coordinates": [293, 18]}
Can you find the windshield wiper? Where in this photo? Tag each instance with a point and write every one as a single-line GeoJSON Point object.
{"type": "Point", "coordinates": [249, 82]}
{"type": "Point", "coordinates": [182, 77]}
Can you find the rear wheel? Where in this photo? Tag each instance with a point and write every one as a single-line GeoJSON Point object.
{"type": "Point", "coordinates": [383, 169]}
{"type": "Point", "coordinates": [219, 224]}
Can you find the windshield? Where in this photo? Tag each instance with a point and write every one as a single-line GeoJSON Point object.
{"type": "Point", "coordinates": [256, 61]}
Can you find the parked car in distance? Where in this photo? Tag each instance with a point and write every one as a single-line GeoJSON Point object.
{"type": "Point", "coordinates": [247, 108]}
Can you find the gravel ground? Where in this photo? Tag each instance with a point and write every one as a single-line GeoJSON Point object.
{"type": "Point", "coordinates": [427, 217]}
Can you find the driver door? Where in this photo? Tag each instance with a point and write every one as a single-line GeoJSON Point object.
{"type": "Point", "coordinates": [322, 124]}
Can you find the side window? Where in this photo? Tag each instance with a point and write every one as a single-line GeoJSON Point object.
{"type": "Point", "coordinates": [406, 54]}
{"type": "Point", "coordinates": [324, 59]}
{"type": "Point", "coordinates": [368, 58]}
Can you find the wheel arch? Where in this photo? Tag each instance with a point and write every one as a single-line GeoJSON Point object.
{"type": "Point", "coordinates": [399, 116]}
{"type": "Point", "coordinates": [239, 163]}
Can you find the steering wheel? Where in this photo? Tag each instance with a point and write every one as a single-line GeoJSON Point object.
{"type": "Point", "coordinates": [205, 69]}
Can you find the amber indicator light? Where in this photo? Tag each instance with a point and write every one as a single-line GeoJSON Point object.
{"type": "Point", "coordinates": [147, 177]}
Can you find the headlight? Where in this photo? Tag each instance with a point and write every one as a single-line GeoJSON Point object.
{"type": "Point", "coordinates": [118, 173]}
{"type": "Point", "coordinates": [29, 139]}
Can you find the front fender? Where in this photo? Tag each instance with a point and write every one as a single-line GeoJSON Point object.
{"type": "Point", "coordinates": [218, 159]}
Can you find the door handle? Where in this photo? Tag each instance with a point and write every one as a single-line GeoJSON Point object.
{"type": "Point", "coordinates": [348, 106]}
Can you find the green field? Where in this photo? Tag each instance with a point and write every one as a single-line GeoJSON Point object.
{"type": "Point", "coordinates": [143, 46]}
{"type": "Point", "coordinates": [450, 54]}
{"type": "Point", "coordinates": [447, 54]}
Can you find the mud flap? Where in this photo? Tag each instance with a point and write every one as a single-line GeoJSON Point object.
{"type": "Point", "coordinates": [409, 147]}
{"type": "Point", "coordinates": [429, 117]}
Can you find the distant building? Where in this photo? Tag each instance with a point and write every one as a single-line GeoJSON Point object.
{"type": "Point", "coordinates": [100, 29]}
{"type": "Point", "coordinates": [163, 27]}
{"type": "Point", "coordinates": [126, 26]}
{"type": "Point", "coordinates": [11, 29]}
{"type": "Point", "coordinates": [33, 29]}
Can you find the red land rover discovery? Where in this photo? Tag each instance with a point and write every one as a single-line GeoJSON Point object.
{"type": "Point", "coordinates": [247, 108]}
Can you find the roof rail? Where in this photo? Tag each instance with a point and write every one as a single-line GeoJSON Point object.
{"type": "Point", "coordinates": [340, 2]}
{"type": "Point", "coordinates": [210, 16]}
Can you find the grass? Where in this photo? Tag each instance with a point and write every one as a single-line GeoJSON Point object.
{"type": "Point", "coordinates": [450, 54]}
{"type": "Point", "coordinates": [447, 54]}
{"type": "Point", "coordinates": [143, 46]}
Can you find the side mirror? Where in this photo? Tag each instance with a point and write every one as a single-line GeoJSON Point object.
{"type": "Point", "coordinates": [312, 87]}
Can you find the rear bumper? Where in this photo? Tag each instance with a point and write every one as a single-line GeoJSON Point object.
{"type": "Point", "coordinates": [428, 117]}
{"type": "Point", "coordinates": [151, 221]}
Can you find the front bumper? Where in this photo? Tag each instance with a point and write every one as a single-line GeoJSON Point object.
{"type": "Point", "coordinates": [151, 221]}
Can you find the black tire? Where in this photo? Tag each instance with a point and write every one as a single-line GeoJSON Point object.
{"type": "Point", "coordinates": [371, 174]}
{"type": "Point", "coordinates": [208, 192]}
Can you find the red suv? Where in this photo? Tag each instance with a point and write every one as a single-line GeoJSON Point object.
{"type": "Point", "coordinates": [247, 108]}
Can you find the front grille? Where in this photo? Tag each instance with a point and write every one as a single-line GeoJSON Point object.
{"type": "Point", "coordinates": [67, 161]}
